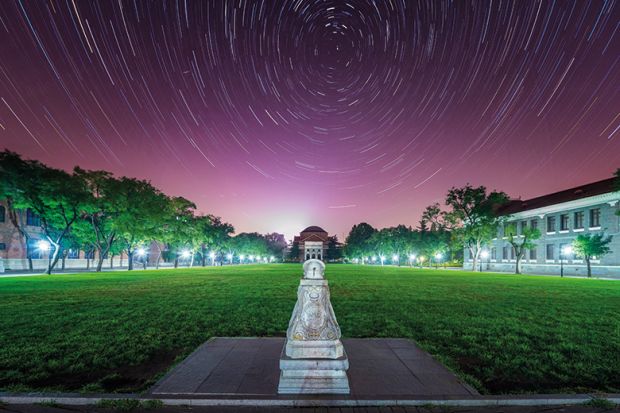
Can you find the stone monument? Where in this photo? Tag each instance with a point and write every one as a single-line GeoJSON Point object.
{"type": "Point", "coordinates": [313, 359]}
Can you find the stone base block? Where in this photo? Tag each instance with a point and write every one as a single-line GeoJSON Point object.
{"type": "Point", "coordinates": [313, 376]}
{"type": "Point", "coordinates": [327, 349]}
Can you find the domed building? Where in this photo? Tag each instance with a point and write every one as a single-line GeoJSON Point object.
{"type": "Point", "coordinates": [312, 242]}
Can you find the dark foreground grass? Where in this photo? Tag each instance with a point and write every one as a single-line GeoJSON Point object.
{"type": "Point", "coordinates": [120, 331]}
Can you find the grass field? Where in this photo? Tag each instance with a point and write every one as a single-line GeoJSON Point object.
{"type": "Point", "coordinates": [120, 331]}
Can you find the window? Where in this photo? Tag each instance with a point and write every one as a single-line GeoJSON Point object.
{"type": "Point", "coordinates": [512, 253]}
{"type": "Point", "coordinates": [2, 213]}
{"type": "Point", "coordinates": [550, 224]}
{"type": "Point", "coordinates": [32, 218]}
{"type": "Point", "coordinates": [533, 253]}
{"type": "Point", "coordinates": [2, 246]}
{"type": "Point", "coordinates": [578, 220]}
{"type": "Point", "coordinates": [534, 223]}
{"type": "Point", "coordinates": [564, 222]}
{"type": "Point", "coordinates": [493, 253]}
{"type": "Point", "coordinates": [523, 226]}
{"type": "Point", "coordinates": [73, 253]}
{"type": "Point", "coordinates": [595, 217]}
{"type": "Point", "coordinates": [505, 253]}
{"type": "Point", "coordinates": [550, 251]}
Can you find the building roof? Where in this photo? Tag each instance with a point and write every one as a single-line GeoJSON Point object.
{"type": "Point", "coordinates": [584, 191]}
{"type": "Point", "coordinates": [314, 229]}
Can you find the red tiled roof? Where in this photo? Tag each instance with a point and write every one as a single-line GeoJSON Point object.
{"type": "Point", "coordinates": [584, 191]}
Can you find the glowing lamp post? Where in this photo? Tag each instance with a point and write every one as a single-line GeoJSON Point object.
{"type": "Point", "coordinates": [484, 255]}
{"type": "Point", "coordinates": [272, 259]}
{"type": "Point", "coordinates": [212, 256]}
{"type": "Point", "coordinates": [438, 258]}
{"type": "Point", "coordinates": [230, 258]}
{"type": "Point", "coordinates": [421, 260]}
{"type": "Point", "coordinates": [241, 258]}
{"type": "Point", "coordinates": [565, 252]}
{"type": "Point", "coordinates": [395, 259]}
{"type": "Point", "coordinates": [45, 248]}
{"type": "Point", "coordinates": [141, 253]}
{"type": "Point", "coordinates": [411, 259]}
{"type": "Point", "coordinates": [251, 258]}
{"type": "Point", "coordinates": [373, 259]}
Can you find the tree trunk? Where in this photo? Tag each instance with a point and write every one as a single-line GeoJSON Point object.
{"type": "Point", "coordinates": [517, 265]}
{"type": "Point", "coordinates": [191, 261]}
{"type": "Point", "coordinates": [129, 260]}
{"type": "Point", "coordinates": [64, 258]}
{"type": "Point", "coordinates": [100, 261]}
{"type": "Point", "coordinates": [589, 267]}
{"type": "Point", "coordinates": [176, 262]}
{"type": "Point", "coordinates": [474, 256]}
{"type": "Point", "coordinates": [111, 261]}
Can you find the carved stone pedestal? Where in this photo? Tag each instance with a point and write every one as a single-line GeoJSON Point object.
{"type": "Point", "coordinates": [313, 360]}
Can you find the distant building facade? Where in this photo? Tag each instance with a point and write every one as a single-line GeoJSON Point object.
{"type": "Point", "coordinates": [312, 243]}
{"type": "Point", "coordinates": [560, 217]}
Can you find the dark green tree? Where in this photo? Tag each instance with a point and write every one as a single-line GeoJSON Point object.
{"type": "Point", "coordinates": [589, 246]}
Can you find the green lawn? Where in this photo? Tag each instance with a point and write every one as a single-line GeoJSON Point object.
{"type": "Point", "coordinates": [120, 331]}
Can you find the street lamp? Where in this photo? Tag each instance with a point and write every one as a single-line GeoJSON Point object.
{"type": "Point", "coordinates": [43, 246]}
{"type": "Point", "coordinates": [438, 257]}
{"type": "Point", "coordinates": [421, 260]}
{"type": "Point", "coordinates": [241, 258]}
{"type": "Point", "coordinates": [186, 254]}
{"type": "Point", "coordinates": [564, 252]}
{"type": "Point", "coordinates": [374, 259]}
{"type": "Point", "coordinates": [395, 259]}
{"type": "Point", "coordinates": [382, 257]}
{"type": "Point", "coordinates": [251, 258]}
{"type": "Point", "coordinates": [271, 259]}
{"type": "Point", "coordinates": [140, 252]}
{"type": "Point", "coordinates": [212, 256]}
{"type": "Point", "coordinates": [484, 254]}
{"type": "Point", "coordinates": [411, 259]}
{"type": "Point", "coordinates": [230, 258]}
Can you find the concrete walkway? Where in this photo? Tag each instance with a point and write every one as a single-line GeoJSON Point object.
{"type": "Point", "coordinates": [51, 408]}
{"type": "Point", "coordinates": [249, 367]}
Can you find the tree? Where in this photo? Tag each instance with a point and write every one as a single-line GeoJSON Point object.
{"type": "Point", "coordinates": [334, 252]}
{"type": "Point", "coordinates": [56, 196]}
{"type": "Point", "coordinates": [293, 254]}
{"type": "Point", "coordinates": [357, 242]}
{"type": "Point", "coordinates": [471, 217]}
{"type": "Point", "coordinates": [111, 206]}
{"type": "Point", "coordinates": [179, 226]}
{"type": "Point", "coordinates": [141, 217]}
{"type": "Point", "coordinates": [589, 246]}
{"type": "Point", "coordinates": [521, 243]}
{"type": "Point", "coordinates": [276, 244]}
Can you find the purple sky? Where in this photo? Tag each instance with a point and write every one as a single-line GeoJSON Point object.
{"type": "Point", "coordinates": [278, 115]}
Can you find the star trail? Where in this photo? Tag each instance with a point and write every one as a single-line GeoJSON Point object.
{"type": "Point", "coordinates": [276, 115]}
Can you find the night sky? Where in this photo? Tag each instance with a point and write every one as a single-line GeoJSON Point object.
{"type": "Point", "coordinates": [276, 115]}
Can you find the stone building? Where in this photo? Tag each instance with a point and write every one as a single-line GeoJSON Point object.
{"type": "Point", "coordinates": [560, 217]}
{"type": "Point", "coordinates": [313, 243]}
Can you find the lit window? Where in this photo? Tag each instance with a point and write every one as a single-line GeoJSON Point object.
{"type": "Point", "coordinates": [564, 222]}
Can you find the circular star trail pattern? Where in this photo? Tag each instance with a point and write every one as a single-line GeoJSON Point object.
{"type": "Point", "coordinates": [281, 114]}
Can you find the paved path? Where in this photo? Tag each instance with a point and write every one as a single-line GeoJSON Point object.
{"type": "Point", "coordinates": [249, 367]}
{"type": "Point", "coordinates": [30, 408]}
